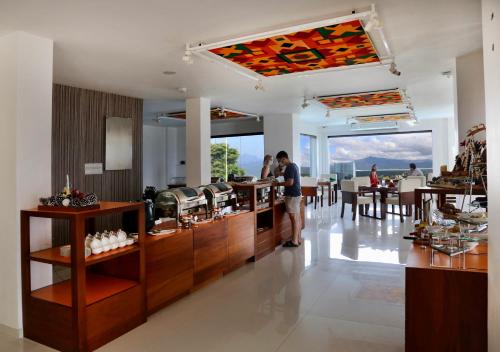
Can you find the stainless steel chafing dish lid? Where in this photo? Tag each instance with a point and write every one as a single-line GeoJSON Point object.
{"type": "Point", "coordinates": [188, 194]}
{"type": "Point", "coordinates": [180, 195]}
{"type": "Point", "coordinates": [220, 188]}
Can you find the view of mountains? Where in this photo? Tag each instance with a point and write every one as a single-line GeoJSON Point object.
{"type": "Point", "coordinates": [383, 163]}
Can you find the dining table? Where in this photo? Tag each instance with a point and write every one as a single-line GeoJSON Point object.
{"type": "Point", "coordinates": [384, 191]}
{"type": "Point", "coordinates": [441, 192]}
{"type": "Point", "coordinates": [332, 188]}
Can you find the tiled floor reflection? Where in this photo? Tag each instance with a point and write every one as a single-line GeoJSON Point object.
{"type": "Point", "coordinates": [342, 290]}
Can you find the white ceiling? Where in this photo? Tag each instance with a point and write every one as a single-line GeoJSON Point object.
{"type": "Point", "coordinates": [123, 46]}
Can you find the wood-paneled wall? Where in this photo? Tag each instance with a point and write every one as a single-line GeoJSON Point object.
{"type": "Point", "coordinates": [78, 137]}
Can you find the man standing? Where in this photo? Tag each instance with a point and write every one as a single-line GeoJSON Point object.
{"type": "Point", "coordinates": [414, 171]}
{"type": "Point", "coordinates": [293, 196]}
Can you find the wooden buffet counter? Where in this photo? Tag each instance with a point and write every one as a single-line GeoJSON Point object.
{"type": "Point", "coordinates": [446, 306]}
{"type": "Point", "coordinates": [188, 259]}
{"type": "Point", "coordinates": [111, 293]}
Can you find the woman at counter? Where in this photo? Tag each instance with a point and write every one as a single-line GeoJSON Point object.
{"type": "Point", "coordinates": [266, 168]}
{"type": "Point", "coordinates": [373, 176]}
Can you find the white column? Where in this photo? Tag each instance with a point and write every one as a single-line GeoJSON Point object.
{"type": "Point", "coordinates": [198, 163]}
{"type": "Point", "coordinates": [281, 132]}
{"type": "Point", "coordinates": [491, 36]}
{"type": "Point", "coordinates": [25, 155]}
{"type": "Point", "coordinates": [470, 92]}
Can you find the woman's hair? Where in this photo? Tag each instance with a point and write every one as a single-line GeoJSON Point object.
{"type": "Point", "coordinates": [374, 166]}
{"type": "Point", "coordinates": [267, 157]}
{"type": "Point", "coordinates": [413, 166]}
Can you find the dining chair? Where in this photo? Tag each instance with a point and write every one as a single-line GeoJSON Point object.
{"type": "Point", "coordinates": [423, 180]}
{"type": "Point", "coordinates": [311, 189]}
{"type": "Point", "coordinates": [405, 196]}
{"type": "Point", "coordinates": [332, 197]}
{"type": "Point", "coordinates": [363, 181]}
{"type": "Point", "coordinates": [351, 195]}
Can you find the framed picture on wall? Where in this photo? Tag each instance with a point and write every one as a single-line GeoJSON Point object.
{"type": "Point", "coordinates": [118, 143]}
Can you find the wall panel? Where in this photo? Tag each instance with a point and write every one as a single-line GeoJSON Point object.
{"type": "Point", "coordinates": [78, 137]}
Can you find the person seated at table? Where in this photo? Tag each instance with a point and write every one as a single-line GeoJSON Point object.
{"type": "Point", "coordinates": [414, 171]}
{"type": "Point", "coordinates": [266, 168]}
{"type": "Point", "coordinates": [373, 176]}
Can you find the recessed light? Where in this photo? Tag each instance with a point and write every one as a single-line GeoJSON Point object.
{"type": "Point", "coordinates": [169, 73]}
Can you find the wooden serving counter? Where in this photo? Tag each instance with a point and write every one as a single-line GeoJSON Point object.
{"type": "Point", "coordinates": [188, 259]}
{"type": "Point", "coordinates": [446, 305]}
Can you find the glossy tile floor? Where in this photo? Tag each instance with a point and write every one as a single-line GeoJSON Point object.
{"type": "Point", "coordinates": [342, 290]}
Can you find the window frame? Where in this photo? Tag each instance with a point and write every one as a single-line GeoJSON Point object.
{"type": "Point", "coordinates": [313, 154]}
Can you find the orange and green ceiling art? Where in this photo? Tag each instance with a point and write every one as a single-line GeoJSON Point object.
{"type": "Point", "coordinates": [338, 45]}
{"type": "Point", "coordinates": [215, 114]}
{"type": "Point", "coordinates": [362, 99]}
{"type": "Point", "coordinates": [402, 117]}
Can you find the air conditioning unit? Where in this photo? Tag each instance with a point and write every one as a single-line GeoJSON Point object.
{"type": "Point", "coordinates": [387, 125]}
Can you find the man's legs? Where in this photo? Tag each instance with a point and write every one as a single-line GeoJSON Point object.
{"type": "Point", "coordinates": [296, 228]}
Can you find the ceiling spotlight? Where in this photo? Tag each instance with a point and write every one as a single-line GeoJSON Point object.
{"type": "Point", "coordinates": [393, 69]}
{"type": "Point", "coordinates": [259, 85]}
{"type": "Point", "coordinates": [327, 113]}
{"type": "Point", "coordinates": [305, 104]}
{"type": "Point", "coordinates": [373, 23]}
{"type": "Point", "coordinates": [182, 90]}
{"type": "Point", "coordinates": [188, 57]}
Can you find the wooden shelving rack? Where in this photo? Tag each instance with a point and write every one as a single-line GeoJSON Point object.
{"type": "Point", "coordinates": [106, 294]}
{"type": "Point", "coordinates": [264, 219]}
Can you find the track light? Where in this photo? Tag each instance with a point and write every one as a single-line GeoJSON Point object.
{"type": "Point", "coordinates": [259, 85]}
{"type": "Point", "coordinates": [393, 69]}
{"type": "Point", "coordinates": [373, 23]}
{"type": "Point", "coordinates": [305, 104]}
{"type": "Point", "coordinates": [188, 57]}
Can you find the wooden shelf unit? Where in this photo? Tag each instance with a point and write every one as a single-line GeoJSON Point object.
{"type": "Point", "coordinates": [97, 287]}
{"type": "Point", "coordinates": [263, 215]}
{"type": "Point", "coordinates": [52, 255]}
{"type": "Point", "coordinates": [106, 295]}
{"type": "Point", "coordinates": [446, 306]}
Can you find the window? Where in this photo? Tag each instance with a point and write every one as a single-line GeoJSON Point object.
{"type": "Point", "coordinates": [308, 155]}
{"type": "Point", "coordinates": [239, 155]}
{"type": "Point", "coordinates": [354, 155]}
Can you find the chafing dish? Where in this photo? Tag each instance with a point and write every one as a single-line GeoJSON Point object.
{"type": "Point", "coordinates": [219, 195]}
{"type": "Point", "coordinates": [248, 179]}
{"type": "Point", "coordinates": [180, 201]}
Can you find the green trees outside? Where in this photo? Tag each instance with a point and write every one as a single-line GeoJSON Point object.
{"type": "Point", "coordinates": [225, 161]}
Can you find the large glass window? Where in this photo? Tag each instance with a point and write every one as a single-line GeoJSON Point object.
{"type": "Point", "coordinates": [354, 155]}
{"type": "Point", "coordinates": [239, 155]}
{"type": "Point", "coordinates": [308, 155]}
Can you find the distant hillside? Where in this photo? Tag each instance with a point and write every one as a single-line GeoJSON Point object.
{"type": "Point", "coordinates": [251, 164]}
{"type": "Point", "coordinates": [383, 163]}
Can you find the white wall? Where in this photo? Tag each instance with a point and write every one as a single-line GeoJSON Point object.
{"type": "Point", "coordinates": [281, 132]}
{"type": "Point", "coordinates": [491, 35]}
{"type": "Point", "coordinates": [470, 91]}
{"type": "Point", "coordinates": [26, 64]}
{"type": "Point", "coordinates": [163, 150]}
{"type": "Point", "coordinates": [154, 158]}
{"type": "Point", "coordinates": [198, 163]}
{"type": "Point", "coordinates": [441, 139]}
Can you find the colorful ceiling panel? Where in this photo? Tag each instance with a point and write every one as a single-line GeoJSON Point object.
{"type": "Point", "coordinates": [362, 99]}
{"type": "Point", "coordinates": [215, 114]}
{"type": "Point", "coordinates": [338, 45]}
{"type": "Point", "coordinates": [403, 117]}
